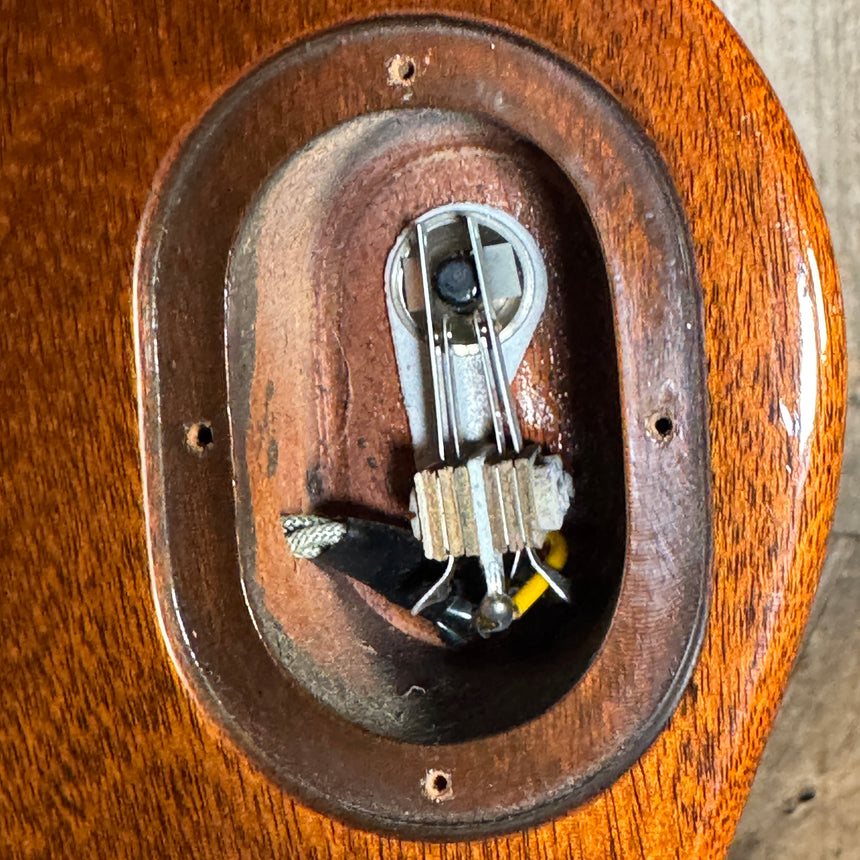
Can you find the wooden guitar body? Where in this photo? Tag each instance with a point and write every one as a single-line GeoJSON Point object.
{"type": "Point", "coordinates": [119, 734]}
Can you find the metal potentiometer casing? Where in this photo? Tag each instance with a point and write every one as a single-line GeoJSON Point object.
{"type": "Point", "coordinates": [466, 287]}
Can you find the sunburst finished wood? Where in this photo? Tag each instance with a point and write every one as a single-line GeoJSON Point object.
{"type": "Point", "coordinates": [103, 752]}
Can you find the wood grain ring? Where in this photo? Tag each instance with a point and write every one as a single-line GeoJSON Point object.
{"type": "Point", "coordinates": [105, 754]}
{"type": "Point", "coordinates": [600, 726]}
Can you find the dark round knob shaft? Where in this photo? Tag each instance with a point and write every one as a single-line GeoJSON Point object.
{"type": "Point", "coordinates": [456, 282]}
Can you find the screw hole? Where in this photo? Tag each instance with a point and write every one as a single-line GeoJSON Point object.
{"type": "Point", "coordinates": [401, 70]}
{"type": "Point", "coordinates": [437, 786]}
{"type": "Point", "coordinates": [661, 427]}
{"type": "Point", "coordinates": [199, 436]}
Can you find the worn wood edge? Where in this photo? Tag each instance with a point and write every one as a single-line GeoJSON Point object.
{"type": "Point", "coordinates": [170, 620]}
{"type": "Point", "coordinates": [763, 713]}
{"type": "Point", "coordinates": [319, 836]}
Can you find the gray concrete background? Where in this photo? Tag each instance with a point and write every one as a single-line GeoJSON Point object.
{"type": "Point", "coordinates": [805, 802]}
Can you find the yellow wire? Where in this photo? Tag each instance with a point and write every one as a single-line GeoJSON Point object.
{"type": "Point", "coordinates": [525, 598]}
{"type": "Point", "coordinates": [555, 547]}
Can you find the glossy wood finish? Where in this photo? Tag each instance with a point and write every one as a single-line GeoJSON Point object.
{"type": "Point", "coordinates": [536, 721]}
{"type": "Point", "coordinates": [103, 752]}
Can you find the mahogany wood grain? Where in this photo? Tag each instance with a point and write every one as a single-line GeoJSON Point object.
{"type": "Point", "coordinates": [102, 751]}
{"type": "Point", "coordinates": [567, 700]}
